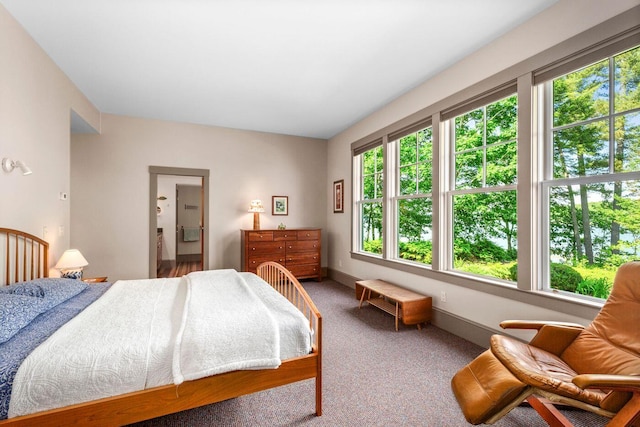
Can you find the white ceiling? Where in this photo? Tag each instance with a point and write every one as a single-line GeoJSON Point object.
{"type": "Point", "coordinates": [299, 67]}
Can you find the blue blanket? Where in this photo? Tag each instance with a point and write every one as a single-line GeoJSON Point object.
{"type": "Point", "coordinates": [14, 351]}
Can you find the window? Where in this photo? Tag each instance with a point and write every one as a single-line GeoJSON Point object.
{"type": "Point", "coordinates": [483, 195]}
{"type": "Point", "coordinates": [539, 168]}
{"type": "Point", "coordinates": [592, 185]}
{"type": "Point", "coordinates": [369, 166]}
{"type": "Point", "coordinates": [413, 201]}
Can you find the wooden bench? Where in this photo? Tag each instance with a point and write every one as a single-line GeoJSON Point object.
{"type": "Point", "coordinates": [411, 307]}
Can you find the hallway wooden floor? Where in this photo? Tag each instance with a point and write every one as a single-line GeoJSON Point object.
{"type": "Point", "coordinates": [180, 269]}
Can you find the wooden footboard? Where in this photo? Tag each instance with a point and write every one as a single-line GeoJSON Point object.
{"type": "Point", "coordinates": [163, 400]}
{"type": "Point", "coordinates": [286, 284]}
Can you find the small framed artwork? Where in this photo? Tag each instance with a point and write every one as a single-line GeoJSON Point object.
{"type": "Point", "coordinates": [279, 205]}
{"type": "Point", "coordinates": [338, 196]}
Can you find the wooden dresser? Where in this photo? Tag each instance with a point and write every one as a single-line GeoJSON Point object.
{"type": "Point", "coordinates": [297, 249]}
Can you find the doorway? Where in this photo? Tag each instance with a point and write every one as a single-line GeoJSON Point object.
{"type": "Point", "coordinates": [166, 234]}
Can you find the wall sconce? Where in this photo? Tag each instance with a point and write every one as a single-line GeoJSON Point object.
{"type": "Point", "coordinates": [71, 263]}
{"type": "Point", "coordinates": [256, 207]}
{"type": "Point", "coordinates": [9, 165]}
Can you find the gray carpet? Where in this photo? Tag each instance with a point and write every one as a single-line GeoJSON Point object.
{"type": "Point", "coordinates": [372, 375]}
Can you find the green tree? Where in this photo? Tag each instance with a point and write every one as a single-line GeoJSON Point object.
{"type": "Point", "coordinates": [486, 157]}
{"type": "Point", "coordinates": [372, 186]}
{"type": "Point", "coordinates": [586, 132]}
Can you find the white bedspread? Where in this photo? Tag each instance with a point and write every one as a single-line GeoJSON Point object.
{"type": "Point", "coordinates": [145, 333]}
{"type": "Point", "coordinates": [226, 330]}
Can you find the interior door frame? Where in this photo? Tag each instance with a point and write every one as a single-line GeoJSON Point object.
{"type": "Point", "coordinates": [154, 171]}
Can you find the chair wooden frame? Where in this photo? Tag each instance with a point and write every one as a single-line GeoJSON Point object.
{"type": "Point", "coordinates": [151, 403]}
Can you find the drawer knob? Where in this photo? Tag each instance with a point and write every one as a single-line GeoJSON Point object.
{"type": "Point", "coordinates": [253, 249]}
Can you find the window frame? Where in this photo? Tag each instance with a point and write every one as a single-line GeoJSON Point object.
{"type": "Point", "coordinates": [544, 89]}
{"type": "Point", "coordinates": [451, 191]}
{"type": "Point", "coordinates": [395, 195]}
{"type": "Point", "coordinates": [359, 201]}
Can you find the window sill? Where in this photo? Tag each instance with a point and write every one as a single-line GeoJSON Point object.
{"type": "Point", "coordinates": [557, 301]}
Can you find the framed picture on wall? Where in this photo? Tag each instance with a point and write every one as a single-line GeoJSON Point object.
{"type": "Point", "coordinates": [338, 196]}
{"type": "Point", "coordinates": [279, 205]}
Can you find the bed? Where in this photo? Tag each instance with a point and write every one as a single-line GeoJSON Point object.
{"type": "Point", "coordinates": [26, 260]}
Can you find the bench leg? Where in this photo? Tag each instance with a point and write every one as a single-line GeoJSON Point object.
{"type": "Point", "coordinates": [397, 312]}
{"type": "Point", "coordinates": [364, 291]}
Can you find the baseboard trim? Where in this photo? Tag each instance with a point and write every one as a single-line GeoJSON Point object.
{"type": "Point", "coordinates": [452, 323]}
{"type": "Point", "coordinates": [342, 278]}
{"type": "Point", "coordinates": [464, 328]}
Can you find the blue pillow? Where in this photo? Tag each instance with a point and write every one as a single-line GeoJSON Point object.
{"type": "Point", "coordinates": [26, 288]}
{"type": "Point", "coordinates": [16, 312]}
{"type": "Point", "coordinates": [52, 290]}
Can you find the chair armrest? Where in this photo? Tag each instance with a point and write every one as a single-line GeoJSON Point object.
{"type": "Point", "coordinates": [553, 337]}
{"type": "Point", "coordinates": [608, 382]}
{"type": "Point", "coordinates": [536, 324]}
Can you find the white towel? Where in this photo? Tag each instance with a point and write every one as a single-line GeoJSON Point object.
{"type": "Point", "coordinates": [225, 327]}
{"type": "Point", "coordinates": [191, 234]}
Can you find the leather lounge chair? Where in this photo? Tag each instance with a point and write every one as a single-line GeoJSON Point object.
{"type": "Point", "coordinates": [595, 368]}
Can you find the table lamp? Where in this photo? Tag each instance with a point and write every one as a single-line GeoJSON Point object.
{"type": "Point", "coordinates": [71, 263]}
{"type": "Point", "coordinates": [256, 207]}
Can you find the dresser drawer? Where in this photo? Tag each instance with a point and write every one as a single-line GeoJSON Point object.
{"type": "Point", "coordinates": [284, 235]}
{"type": "Point", "coordinates": [260, 236]}
{"type": "Point", "coordinates": [308, 234]}
{"type": "Point", "coordinates": [304, 270]}
{"type": "Point", "coordinates": [302, 258]}
{"type": "Point", "coordinates": [262, 248]}
{"type": "Point", "coordinates": [303, 246]}
{"type": "Point", "coordinates": [254, 262]}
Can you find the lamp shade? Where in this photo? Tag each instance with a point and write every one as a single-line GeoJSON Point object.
{"type": "Point", "coordinates": [256, 206]}
{"type": "Point", "coordinates": [71, 259]}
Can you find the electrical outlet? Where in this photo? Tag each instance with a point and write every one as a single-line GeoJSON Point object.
{"type": "Point", "coordinates": [443, 296]}
{"type": "Point", "coordinates": [44, 231]}
{"type": "Point", "coordinates": [339, 263]}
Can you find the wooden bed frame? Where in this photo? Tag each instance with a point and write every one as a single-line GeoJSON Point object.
{"type": "Point", "coordinates": [151, 403]}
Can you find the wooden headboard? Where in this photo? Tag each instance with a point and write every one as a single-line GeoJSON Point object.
{"type": "Point", "coordinates": [26, 256]}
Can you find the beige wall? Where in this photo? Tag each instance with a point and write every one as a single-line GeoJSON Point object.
{"type": "Point", "coordinates": [110, 186]}
{"type": "Point", "coordinates": [565, 19]}
{"type": "Point", "coordinates": [35, 103]}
